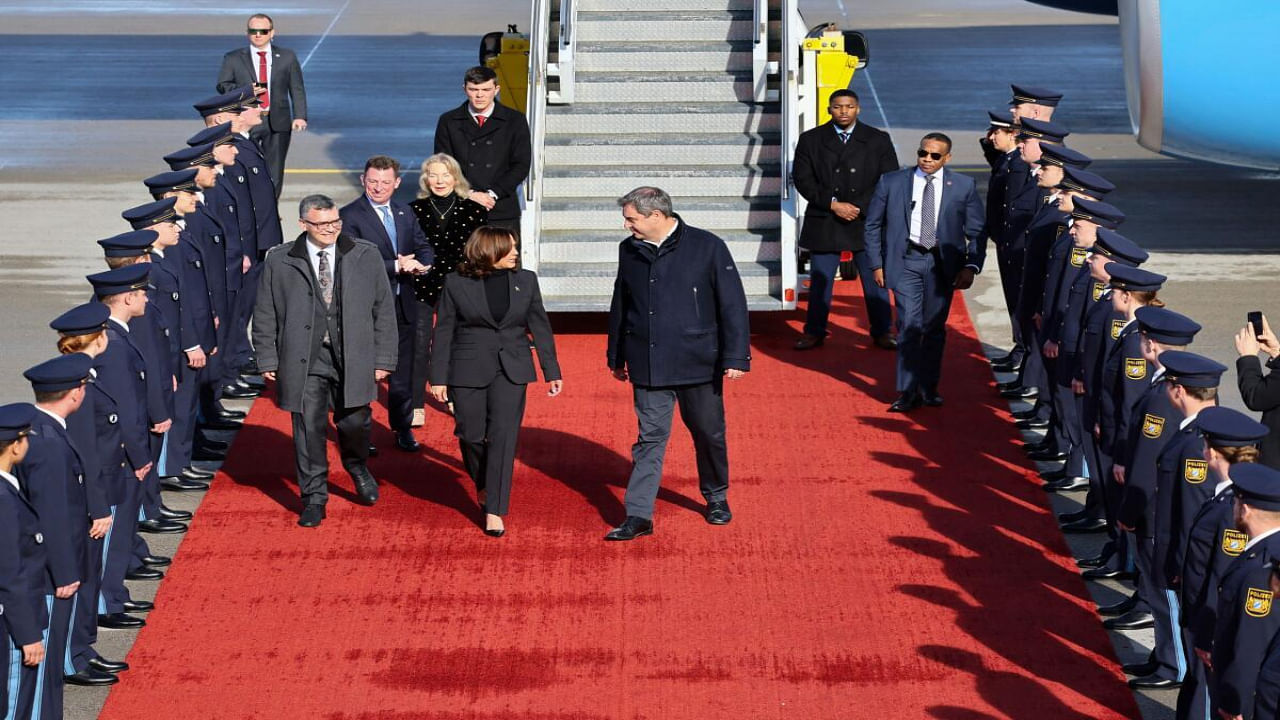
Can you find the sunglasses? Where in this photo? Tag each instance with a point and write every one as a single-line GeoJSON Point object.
{"type": "Point", "coordinates": [256, 31]}
{"type": "Point", "coordinates": [930, 155]}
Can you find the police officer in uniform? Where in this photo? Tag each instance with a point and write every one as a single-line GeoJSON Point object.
{"type": "Point", "coordinates": [26, 591]}
{"type": "Point", "coordinates": [1212, 543]}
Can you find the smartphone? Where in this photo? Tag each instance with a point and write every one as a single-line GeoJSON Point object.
{"type": "Point", "coordinates": [259, 86]}
{"type": "Point", "coordinates": [1255, 319]}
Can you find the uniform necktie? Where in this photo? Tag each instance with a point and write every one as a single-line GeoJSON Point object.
{"type": "Point", "coordinates": [844, 137]}
{"type": "Point", "coordinates": [928, 223]}
{"type": "Point", "coordinates": [480, 120]}
{"type": "Point", "coordinates": [326, 278]}
{"type": "Point", "coordinates": [265, 98]}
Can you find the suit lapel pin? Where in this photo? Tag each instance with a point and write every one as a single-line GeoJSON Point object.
{"type": "Point", "coordinates": [517, 288]}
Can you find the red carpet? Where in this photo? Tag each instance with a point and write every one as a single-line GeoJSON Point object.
{"type": "Point", "coordinates": [877, 567]}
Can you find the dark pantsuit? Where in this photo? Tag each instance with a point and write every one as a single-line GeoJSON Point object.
{"type": "Point", "coordinates": [423, 324]}
{"type": "Point", "coordinates": [322, 393]}
{"type": "Point", "coordinates": [488, 424]}
{"type": "Point", "coordinates": [702, 410]}
{"type": "Point", "coordinates": [822, 272]}
{"type": "Point", "coordinates": [923, 300]}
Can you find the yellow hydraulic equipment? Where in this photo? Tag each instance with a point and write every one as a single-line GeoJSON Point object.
{"type": "Point", "coordinates": [508, 54]}
{"type": "Point", "coordinates": [834, 55]}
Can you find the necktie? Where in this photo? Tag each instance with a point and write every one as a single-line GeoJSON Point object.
{"type": "Point", "coordinates": [326, 278]}
{"type": "Point", "coordinates": [390, 226]}
{"type": "Point", "coordinates": [928, 223]}
{"type": "Point", "coordinates": [844, 137]}
{"type": "Point", "coordinates": [480, 120]}
{"type": "Point", "coordinates": [262, 78]}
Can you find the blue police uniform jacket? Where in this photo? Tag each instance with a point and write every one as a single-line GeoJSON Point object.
{"type": "Point", "coordinates": [113, 465]}
{"type": "Point", "coordinates": [263, 192]}
{"type": "Point", "coordinates": [1155, 422]}
{"type": "Point", "coordinates": [206, 235]}
{"type": "Point", "coordinates": [679, 313]}
{"type": "Point", "coordinates": [24, 572]}
{"type": "Point", "coordinates": [1247, 621]}
{"type": "Point", "coordinates": [1212, 544]}
{"type": "Point", "coordinates": [1182, 488]}
{"type": "Point", "coordinates": [235, 182]}
{"type": "Point", "coordinates": [122, 373]}
{"type": "Point", "coordinates": [53, 477]}
{"type": "Point", "coordinates": [82, 429]}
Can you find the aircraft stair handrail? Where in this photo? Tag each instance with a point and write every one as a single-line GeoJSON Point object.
{"type": "Point", "coordinates": [536, 114]}
{"type": "Point", "coordinates": [760, 48]}
{"type": "Point", "coordinates": [565, 56]}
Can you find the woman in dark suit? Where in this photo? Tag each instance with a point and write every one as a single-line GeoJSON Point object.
{"type": "Point", "coordinates": [480, 360]}
{"type": "Point", "coordinates": [447, 218]}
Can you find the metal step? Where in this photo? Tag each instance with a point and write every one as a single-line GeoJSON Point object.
{"type": "Point", "coordinates": [653, 149]}
{"type": "Point", "coordinates": [665, 5]}
{"type": "Point", "coordinates": [711, 118]}
{"type": "Point", "coordinates": [596, 279]}
{"type": "Point", "coordinates": [662, 87]}
{"type": "Point", "coordinates": [719, 180]}
{"type": "Point", "coordinates": [709, 213]}
{"type": "Point", "coordinates": [568, 246]}
{"type": "Point", "coordinates": [598, 303]}
{"type": "Point", "coordinates": [663, 56]}
{"type": "Point", "coordinates": [668, 27]}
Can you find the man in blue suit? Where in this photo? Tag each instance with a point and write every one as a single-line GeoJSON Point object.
{"type": "Point", "coordinates": [393, 228]}
{"type": "Point", "coordinates": [924, 241]}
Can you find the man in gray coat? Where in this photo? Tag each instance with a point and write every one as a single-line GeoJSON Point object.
{"type": "Point", "coordinates": [324, 327]}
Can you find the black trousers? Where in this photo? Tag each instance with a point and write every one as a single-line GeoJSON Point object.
{"type": "Point", "coordinates": [321, 394]}
{"type": "Point", "coordinates": [275, 146]}
{"type": "Point", "coordinates": [400, 384]}
{"type": "Point", "coordinates": [422, 326]}
{"type": "Point", "coordinates": [487, 423]}
{"type": "Point", "coordinates": [702, 410]}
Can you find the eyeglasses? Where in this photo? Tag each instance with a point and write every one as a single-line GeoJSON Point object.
{"type": "Point", "coordinates": [930, 155]}
{"type": "Point", "coordinates": [257, 31]}
{"type": "Point", "coordinates": [332, 224]}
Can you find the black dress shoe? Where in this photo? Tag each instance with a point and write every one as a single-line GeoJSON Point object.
{"type": "Point", "coordinates": [1069, 484]}
{"type": "Point", "coordinates": [108, 666]}
{"type": "Point", "coordinates": [171, 514]}
{"type": "Point", "coordinates": [1143, 668]}
{"type": "Point", "coordinates": [1019, 393]}
{"type": "Point", "coordinates": [139, 606]}
{"type": "Point", "coordinates": [1154, 682]}
{"type": "Point", "coordinates": [1132, 620]}
{"type": "Point", "coordinates": [1120, 608]}
{"type": "Point", "coordinates": [1027, 414]}
{"type": "Point", "coordinates": [1006, 367]}
{"type": "Point", "coordinates": [178, 483]}
{"type": "Point", "coordinates": [1106, 573]}
{"type": "Point", "coordinates": [145, 572]}
{"type": "Point", "coordinates": [218, 446]}
{"type": "Point", "coordinates": [191, 473]}
{"type": "Point", "coordinates": [366, 486]}
{"type": "Point", "coordinates": [1051, 475]}
{"type": "Point", "coordinates": [120, 621]}
{"type": "Point", "coordinates": [1008, 357]}
{"type": "Point", "coordinates": [1073, 516]}
{"type": "Point", "coordinates": [718, 513]}
{"type": "Point", "coordinates": [906, 402]}
{"type": "Point", "coordinates": [931, 398]}
{"type": "Point", "coordinates": [1047, 455]}
{"type": "Point", "coordinates": [236, 392]}
{"type": "Point", "coordinates": [311, 516]}
{"type": "Point", "coordinates": [373, 450]}
{"type": "Point", "coordinates": [406, 442]}
{"type": "Point", "coordinates": [229, 414]}
{"type": "Point", "coordinates": [207, 455]}
{"type": "Point", "coordinates": [1087, 525]}
{"type": "Point", "coordinates": [161, 527]}
{"type": "Point", "coordinates": [1092, 562]}
{"type": "Point", "coordinates": [1033, 424]}
{"type": "Point", "coordinates": [885, 342]}
{"type": "Point", "coordinates": [1006, 386]}
{"type": "Point", "coordinates": [630, 529]}
{"type": "Point", "coordinates": [220, 424]}
{"type": "Point", "coordinates": [91, 677]}
{"type": "Point", "coordinates": [157, 561]}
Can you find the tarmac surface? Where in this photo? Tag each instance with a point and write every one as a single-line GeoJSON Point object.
{"type": "Point", "coordinates": [93, 92]}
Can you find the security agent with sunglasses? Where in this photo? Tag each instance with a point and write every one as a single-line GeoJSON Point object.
{"type": "Point", "coordinates": [276, 77]}
{"type": "Point", "coordinates": [324, 328]}
{"type": "Point", "coordinates": [924, 242]}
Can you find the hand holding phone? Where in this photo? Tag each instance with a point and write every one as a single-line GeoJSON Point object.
{"type": "Point", "coordinates": [1255, 322]}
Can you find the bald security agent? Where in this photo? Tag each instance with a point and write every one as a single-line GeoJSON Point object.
{"type": "Point", "coordinates": [26, 591]}
{"type": "Point", "coordinates": [924, 227]}
{"type": "Point", "coordinates": [325, 332]}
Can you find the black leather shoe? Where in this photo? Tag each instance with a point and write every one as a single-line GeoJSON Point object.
{"type": "Point", "coordinates": [196, 474]}
{"type": "Point", "coordinates": [1140, 669]}
{"type": "Point", "coordinates": [108, 666]}
{"type": "Point", "coordinates": [1132, 620]}
{"type": "Point", "coordinates": [1033, 424]}
{"type": "Point", "coordinates": [1047, 455]}
{"type": "Point", "coordinates": [885, 342]}
{"type": "Point", "coordinates": [630, 529]}
{"type": "Point", "coordinates": [1019, 393]}
{"type": "Point", "coordinates": [139, 606]}
{"type": "Point", "coordinates": [220, 424]}
{"type": "Point", "coordinates": [406, 442]}
{"type": "Point", "coordinates": [236, 392]}
{"type": "Point", "coordinates": [207, 455]}
{"type": "Point", "coordinates": [366, 486]}
{"type": "Point", "coordinates": [171, 514]}
{"type": "Point", "coordinates": [311, 516]}
{"type": "Point", "coordinates": [120, 621]}
{"type": "Point", "coordinates": [1027, 414]}
{"type": "Point", "coordinates": [1106, 573]}
{"type": "Point", "coordinates": [229, 414]}
{"type": "Point", "coordinates": [1006, 367]}
{"type": "Point", "coordinates": [1042, 444]}
{"type": "Point", "coordinates": [1087, 525]}
{"type": "Point", "coordinates": [373, 450]}
{"type": "Point", "coordinates": [906, 402]}
{"type": "Point", "coordinates": [91, 677]}
{"type": "Point", "coordinates": [1072, 516]}
{"type": "Point", "coordinates": [1154, 682]}
{"type": "Point", "coordinates": [218, 446]}
{"type": "Point", "coordinates": [157, 561]}
{"type": "Point", "coordinates": [1092, 562]}
{"type": "Point", "coordinates": [1070, 484]}
{"type": "Point", "coordinates": [144, 573]}
{"type": "Point", "coordinates": [178, 483]}
{"type": "Point", "coordinates": [718, 513]}
{"type": "Point", "coordinates": [1051, 475]}
{"type": "Point", "coordinates": [1120, 608]}
{"type": "Point", "coordinates": [161, 527]}
{"type": "Point", "coordinates": [931, 398]}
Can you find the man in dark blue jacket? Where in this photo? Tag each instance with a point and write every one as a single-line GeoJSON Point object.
{"type": "Point", "coordinates": [677, 325]}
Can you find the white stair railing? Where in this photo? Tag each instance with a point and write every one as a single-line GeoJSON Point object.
{"type": "Point", "coordinates": [536, 115]}
{"type": "Point", "coordinates": [562, 68]}
{"type": "Point", "coordinates": [789, 107]}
